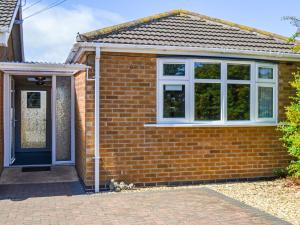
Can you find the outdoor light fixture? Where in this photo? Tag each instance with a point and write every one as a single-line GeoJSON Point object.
{"type": "Point", "coordinates": [40, 80]}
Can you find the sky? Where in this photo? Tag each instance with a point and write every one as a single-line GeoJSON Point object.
{"type": "Point", "coordinates": [49, 36]}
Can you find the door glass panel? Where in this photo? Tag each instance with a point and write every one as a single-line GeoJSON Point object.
{"type": "Point", "coordinates": [63, 118]}
{"type": "Point", "coordinates": [33, 119]}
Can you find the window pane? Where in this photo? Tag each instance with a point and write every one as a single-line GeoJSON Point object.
{"type": "Point", "coordinates": [265, 102]}
{"type": "Point", "coordinates": [63, 118]}
{"type": "Point", "coordinates": [174, 101]}
{"type": "Point", "coordinates": [207, 71]}
{"type": "Point", "coordinates": [33, 100]}
{"type": "Point", "coordinates": [174, 69]}
{"type": "Point", "coordinates": [238, 102]}
{"type": "Point", "coordinates": [265, 73]}
{"type": "Point", "coordinates": [238, 72]}
{"type": "Point", "coordinates": [207, 101]}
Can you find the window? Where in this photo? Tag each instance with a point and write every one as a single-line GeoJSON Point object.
{"type": "Point", "coordinates": [216, 91]}
{"type": "Point", "coordinates": [174, 69]}
{"type": "Point", "coordinates": [207, 101]}
{"type": "Point", "coordinates": [238, 102]}
{"type": "Point", "coordinates": [174, 101]}
{"type": "Point", "coordinates": [33, 100]}
{"type": "Point", "coordinates": [238, 71]}
{"type": "Point", "coordinates": [207, 70]}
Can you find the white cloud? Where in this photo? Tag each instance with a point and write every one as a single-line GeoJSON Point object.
{"type": "Point", "coordinates": [50, 35]}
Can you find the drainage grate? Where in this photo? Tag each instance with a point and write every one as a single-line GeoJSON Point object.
{"type": "Point", "coordinates": [36, 169]}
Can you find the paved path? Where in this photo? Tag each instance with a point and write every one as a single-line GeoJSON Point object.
{"type": "Point", "coordinates": [65, 203]}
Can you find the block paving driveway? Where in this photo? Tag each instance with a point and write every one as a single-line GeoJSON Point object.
{"type": "Point", "coordinates": [66, 203]}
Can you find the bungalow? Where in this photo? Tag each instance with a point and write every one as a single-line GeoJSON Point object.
{"type": "Point", "coordinates": [173, 98]}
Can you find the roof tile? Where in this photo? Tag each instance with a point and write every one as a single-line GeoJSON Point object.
{"type": "Point", "coordinates": [7, 9]}
{"type": "Point", "coordinates": [188, 29]}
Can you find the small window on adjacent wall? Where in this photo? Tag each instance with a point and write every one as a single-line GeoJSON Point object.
{"type": "Point", "coordinates": [33, 100]}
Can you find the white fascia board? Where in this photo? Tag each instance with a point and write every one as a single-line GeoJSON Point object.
{"type": "Point", "coordinates": [42, 67]}
{"type": "Point", "coordinates": [14, 15]}
{"type": "Point", "coordinates": [4, 38]}
{"type": "Point", "coordinates": [177, 50]}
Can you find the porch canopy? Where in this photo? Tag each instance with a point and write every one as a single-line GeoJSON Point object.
{"type": "Point", "coordinates": [40, 68]}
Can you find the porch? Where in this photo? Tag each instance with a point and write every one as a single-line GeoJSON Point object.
{"type": "Point", "coordinates": [38, 114]}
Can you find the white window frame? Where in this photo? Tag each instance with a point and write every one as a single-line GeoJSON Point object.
{"type": "Point", "coordinates": [161, 102]}
{"type": "Point", "coordinates": [189, 80]}
{"type": "Point", "coordinates": [194, 81]}
{"type": "Point", "coordinates": [267, 83]}
{"type": "Point", "coordinates": [173, 61]}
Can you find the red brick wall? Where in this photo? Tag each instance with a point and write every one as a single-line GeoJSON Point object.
{"type": "Point", "coordinates": [134, 153]}
{"type": "Point", "coordinates": [80, 122]}
{"type": "Point", "coordinates": [285, 75]}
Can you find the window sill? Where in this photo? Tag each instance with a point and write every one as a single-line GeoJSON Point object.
{"type": "Point", "coordinates": [211, 124]}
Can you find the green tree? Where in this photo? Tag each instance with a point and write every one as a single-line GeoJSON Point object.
{"type": "Point", "coordinates": [296, 22]}
{"type": "Point", "coordinates": [291, 127]}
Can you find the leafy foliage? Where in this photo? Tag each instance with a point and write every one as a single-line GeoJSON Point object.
{"type": "Point", "coordinates": [291, 129]}
{"type": "Point", "coordinates": [295, 22]}
{"type": "Point", "coordinates": [280, 172]}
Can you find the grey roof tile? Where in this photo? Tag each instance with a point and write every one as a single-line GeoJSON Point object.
{"type": "Point", "coordinates": [7, 9]}
{"type": "Point", "coordinates": [188, 29]}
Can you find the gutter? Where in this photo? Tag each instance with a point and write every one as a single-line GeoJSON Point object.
{"type": "Point", "coordinates": [80, 47]}
{"type": "Point", "coordinates": [97, 120]}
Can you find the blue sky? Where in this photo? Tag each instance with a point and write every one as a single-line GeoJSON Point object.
{"type": "Point", "coordinates": [49, 36]}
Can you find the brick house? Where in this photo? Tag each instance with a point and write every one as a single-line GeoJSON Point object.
{"type": "Point", "coordinates": [176, 98]}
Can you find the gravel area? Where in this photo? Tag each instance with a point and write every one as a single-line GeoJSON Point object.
{"type": "Point", "coordinates": [273, 197]}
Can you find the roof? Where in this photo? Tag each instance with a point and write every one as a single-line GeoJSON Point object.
{"type": "Point", "coordinates": [182, 28]}
{"type": "Point", "coordinates": [7, 11]}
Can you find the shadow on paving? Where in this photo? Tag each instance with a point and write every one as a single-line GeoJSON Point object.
{"type": "Point", "coordinates": [20, 192]}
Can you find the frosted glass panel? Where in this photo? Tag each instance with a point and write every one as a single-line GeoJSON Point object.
{"type": "Point", "coordinates": [63, 119]}
{"type": "Point", "coordinates": [33, 119]}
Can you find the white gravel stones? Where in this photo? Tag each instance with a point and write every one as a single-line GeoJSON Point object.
{"type": "Point", "coordinates": [272, 197]}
